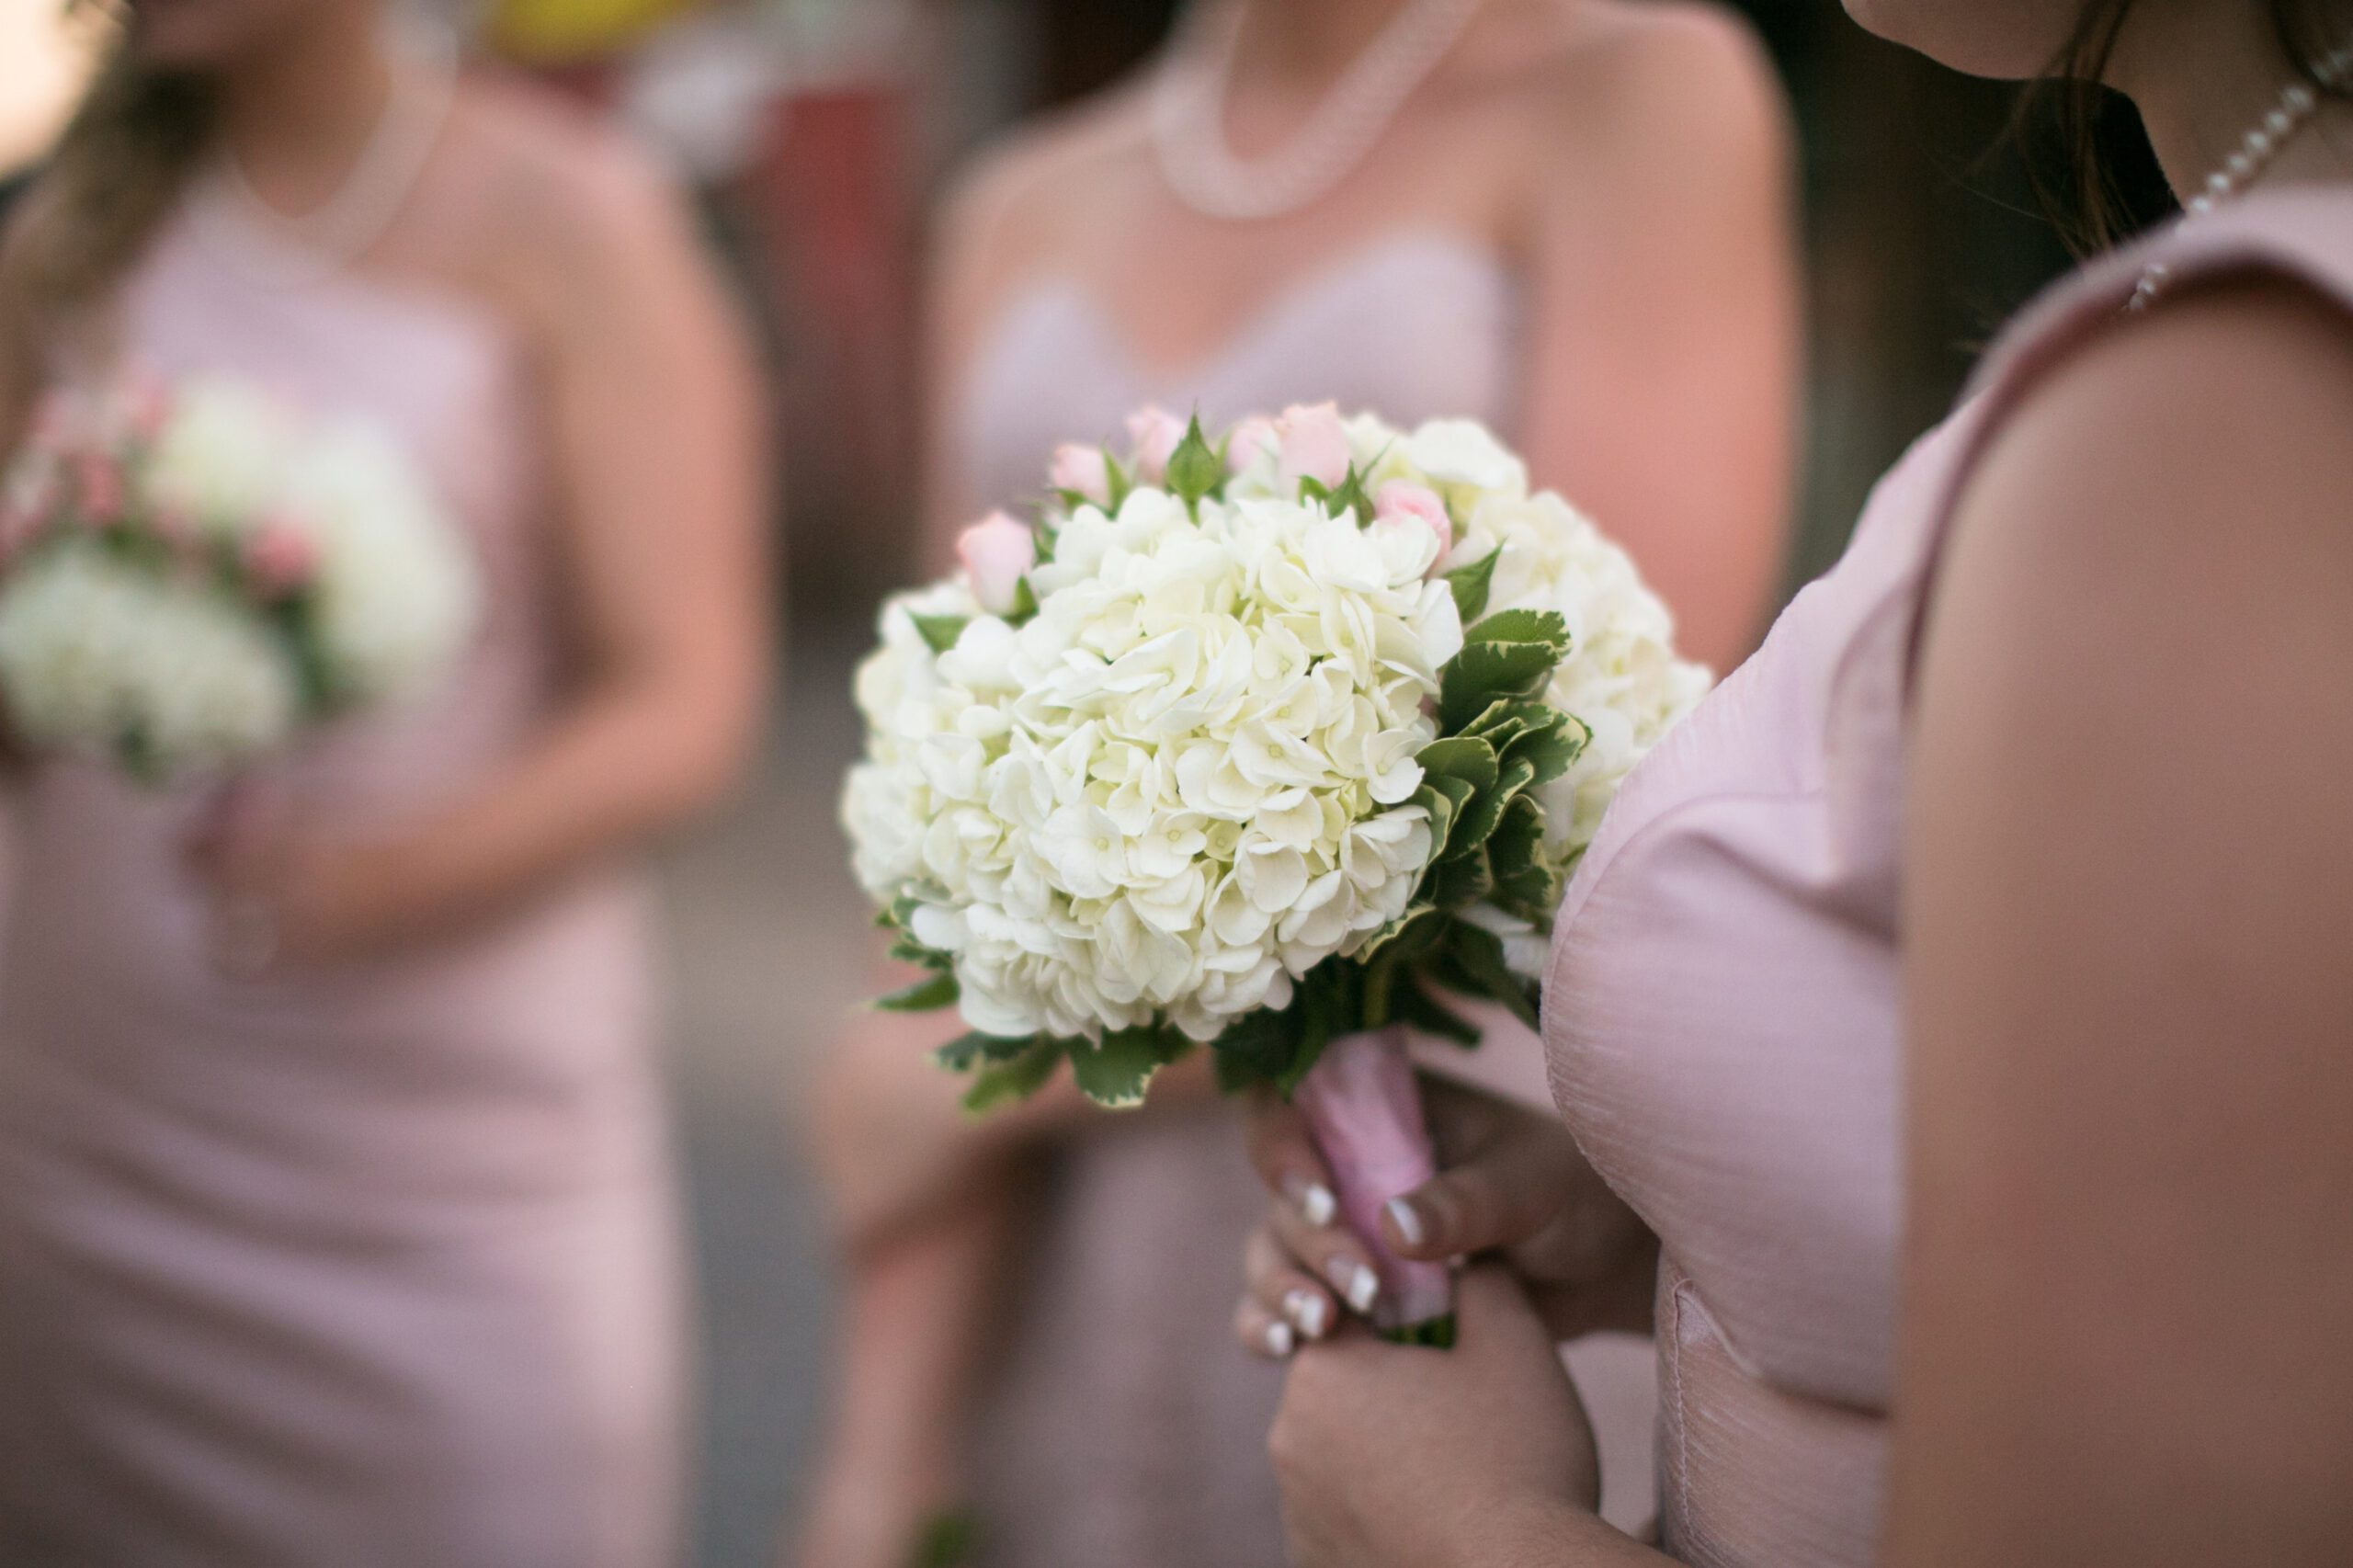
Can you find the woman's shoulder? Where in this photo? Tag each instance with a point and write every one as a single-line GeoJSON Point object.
{"type": "Point", "coordinates": [1616, 59]}
{"type": "Point", "coordinates": [2243, 377]}
{"type": "Point", "coordinates": [1039, 181]}
{"type": "Point", "coordinates": [1626, 98]}
{"type": "Point", "coordinates": [555, 207]}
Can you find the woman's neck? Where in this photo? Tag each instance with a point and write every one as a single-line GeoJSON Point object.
{"type": "Point", "coordinates": [2203, 75]}
{"type": "Point", "coordinates": [1314, 40]}
{"type": "Point", "coordinates": [297, 113]}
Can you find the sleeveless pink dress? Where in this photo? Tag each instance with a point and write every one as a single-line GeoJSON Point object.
{"type": "Point", "coordinates": [1722, 1014]}
{"type": "Point", "coordinates": [375, 1266]}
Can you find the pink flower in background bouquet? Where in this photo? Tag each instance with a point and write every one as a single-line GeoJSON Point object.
{"type": "Point", "coordinates": [189, 574]}
{"type": "Point", "coordinates": [1267, 747]}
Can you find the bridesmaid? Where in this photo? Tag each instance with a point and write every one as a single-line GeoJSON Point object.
{"type": "Point", "coordinates": [1977, 947]}
{"type": "Point", "coordinates": [337, 1218]}
{"type": "Point", "coordinates": [1569, 217]}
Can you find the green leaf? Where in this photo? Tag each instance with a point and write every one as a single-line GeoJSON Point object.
{"type": "Point", "coordinates": [1016, 1077]}
{"type": "Point", "coordinates": [1462, 880]}
{"type": "Point", "coordinates": [1477, 956]}
{"type": "Point", "coordinates": [1408, 934]}
{"type": "Point", "coordinates": [1525, 883]}
{"type": "Point", "coordinates": [1412, 1005]}
{"type": "Point", "coordinates": [906, 950]}
{"type": "Point", "coordinates": [1506, 719]}
{"type": "Point", "coordinates": [941, 630]}
{"type": "Point", "coordinates": [1193, 468]}
{"type": "Point", "coordinates": [1432, 1333]}
{"type": "Point", "coordinates": [1552, 747]}
{"type": "Point", "coordinates": [1331, 1004]}
{"type": "Point", "coordinates": [1454, 797]}
{"type": "Point", "coordinates": [1025, 602]}
{"type": "Point", "coordinates": [959, 1054]}
{"type": "Point", "coordinates": [1483, 672]}
{"type": "Point", "coordinates": [1351, 497]}
{"type": "Point", "coordinates": [927, 994]}
{"type": "Point", "coordinates": [1258, 1047]}
{"type": "Point", "coordinates": [1472, 584]}
{"type": "Point", "coordinates": [1117, 1072]}
{"type": "Point", "coordinates": [1121, 481]}
{"type": "Point", "coordinates": [1476, 820]}
{"type": "Point", "coordinates": [1466, 758]}
{"type": "Point", "coordinates": [1522, 626]}
{"type": "Point", "coordinates": [948, 1540]}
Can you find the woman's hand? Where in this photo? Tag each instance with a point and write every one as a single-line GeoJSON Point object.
{"type": "Point", "coordinates": [888, 1131]}
{"type": "Point", "coordinates": [1514, 1184]}
{"type": "Point", "coordinates": [1399, 1455]}
{"type": "Point", "coordinates": [282, 898]}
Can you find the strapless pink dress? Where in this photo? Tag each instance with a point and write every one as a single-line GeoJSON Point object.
{"type": "Point", "coordinates": [1722, 1014]}
{"type": "Point", "coordinates": [373, 1267]}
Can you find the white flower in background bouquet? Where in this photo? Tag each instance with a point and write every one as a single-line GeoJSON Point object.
{"type": "Point", "coordinates": [191, 573]}
{"type": "Point", "coordinates": [1265, 747]}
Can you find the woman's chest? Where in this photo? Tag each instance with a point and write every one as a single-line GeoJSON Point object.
{"type": "Point", "coordinates": [1723, 1011]}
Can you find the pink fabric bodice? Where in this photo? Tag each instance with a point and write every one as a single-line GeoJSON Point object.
{"type": "Point", "coordinates": [1724, 1010]}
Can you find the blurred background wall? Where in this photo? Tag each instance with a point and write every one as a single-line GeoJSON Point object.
{"type": "Point", "coordinates": [816, 133]}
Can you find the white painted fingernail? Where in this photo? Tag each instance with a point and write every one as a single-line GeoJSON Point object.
{"type": "Point", "coordinates": [1316, 1203]}
{"type": "Point", "coordinates": [1408, 1224]}
{"type": "Point", "coordinates": [1356, 1283]}
{"type": "Point", "coordinates": [1278, 1340]}
{"type": "Point", "coordinates": [1307, 1309]}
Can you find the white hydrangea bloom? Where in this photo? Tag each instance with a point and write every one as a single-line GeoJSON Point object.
{"type": "Point", "coordinates": [1621, 677]}
{"type": "Point", "coordinates": [1187, 779]}
{"type": "Point", "coordinates": [1178, 787]}
{"type": "Point", "coordinates": [179, 555]}
{"type": "Point", "coordinates": [93, 651]}
{"type": "Point", "coordinates": [220, 457]}
{"type": "Point", "coordinates": [396, 591]}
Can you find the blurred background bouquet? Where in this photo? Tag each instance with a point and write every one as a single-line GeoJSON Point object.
{"type": "Point", "coordinates": [191, 572]}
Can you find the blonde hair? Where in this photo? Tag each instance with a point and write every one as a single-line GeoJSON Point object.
{"type": "Point", "coordinates": [123, 162]}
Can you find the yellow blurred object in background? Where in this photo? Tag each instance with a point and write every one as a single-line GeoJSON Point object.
{"type": "Point", "coordinates": [572, 32]}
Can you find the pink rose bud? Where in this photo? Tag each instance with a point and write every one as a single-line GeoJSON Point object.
{"type": "Point", "coordinates": [1400, 501]}
{"type": "Point", "coordinates": [1250, 440]}
{"type": "Point", "coordinates": [280, 558]}
{"type": "Point", "coordinates": [101, 488]}
{"type": "Point", "coordinates": [995, 553]}
{"type": "Point", "coordinates": [1156, 433]}
{"type": "Point", "coordinates": [1315, 445]}
{"type": "Point", "coordinates": [1082, 471]}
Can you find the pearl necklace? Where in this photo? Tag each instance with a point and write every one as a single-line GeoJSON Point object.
{"type": "Point", "coordinates": [315, 245]}
{"type": "Point", "coordinates": [1188, 115]}
{"type": "Point", "coordinates": [2296, 106]}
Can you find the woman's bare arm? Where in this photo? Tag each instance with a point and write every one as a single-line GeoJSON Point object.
{"type": "Point", "coordinates": [1663, 345]}
{"type": "Point", "coordinates": [2131, 1009]}
{"type": "Point", "coordinates": [660, 500]}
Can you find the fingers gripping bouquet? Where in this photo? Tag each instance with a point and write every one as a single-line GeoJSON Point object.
{"type": "Point", "coordinates": [1268, 745]}
{"type": "Point", "coordinates": [189, 574]}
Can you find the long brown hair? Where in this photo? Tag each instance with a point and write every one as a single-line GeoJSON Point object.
{"type": "Point", "coordinates": [2080, 195]}
{"type": "Point", "coordinates": [122, 163]}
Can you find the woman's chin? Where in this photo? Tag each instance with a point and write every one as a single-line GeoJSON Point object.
{"type": "Point", "coordinates": [2006, 41]}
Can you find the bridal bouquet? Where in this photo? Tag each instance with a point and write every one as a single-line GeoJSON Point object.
{"type": "Point", "coordinates": [1269, 745]}
{"type": "Point", "coordinates": [190, 573]}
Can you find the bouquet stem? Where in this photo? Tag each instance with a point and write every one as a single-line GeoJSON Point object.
{"type": "Point", "coordinates": [1365, 1109]}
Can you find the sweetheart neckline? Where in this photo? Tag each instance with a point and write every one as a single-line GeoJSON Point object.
{"type": "Point", "coordinates": [1266, 320]}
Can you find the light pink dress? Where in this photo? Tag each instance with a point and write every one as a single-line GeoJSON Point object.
{"type": "Point", "coordinates": [1125, 1428]}
{"type": "Point", "coordinates": [374, 1266]}
{"type": "Point", "coordinates": [1722, 1013]}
